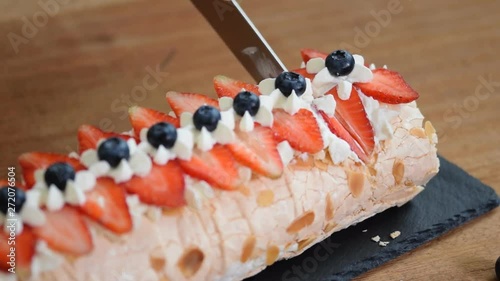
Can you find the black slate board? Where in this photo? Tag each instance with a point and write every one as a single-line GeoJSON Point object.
{"type": "Point", "coordinates": [451, 198]}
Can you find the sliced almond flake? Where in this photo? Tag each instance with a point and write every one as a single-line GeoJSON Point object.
{"type": "Point", "coordinates": [383, 243]}
{"type": "Point", "coordinates": [398, 171]}
{"type": "Point", "coordinates": [376, 239]}
{"type": "Point", "coordinates": [418, 132]}
{"type": "Point", "coordinates": [356, 181]}
{"type": "Point", "coordinates": [272, 254]}
{"type": "Point", "coordinates": [248, 248]}
{"type": "Point", "coordinates": [265, 198]}
{"type": "Point", "coordinates": [301, 222]}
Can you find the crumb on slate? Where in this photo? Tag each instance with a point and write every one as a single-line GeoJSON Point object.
{"type": "Point", "coordinates": [365, 230]}
{"type": "Point", "coordinates": [395, 234]}
{"type": "Point", "coordinates": [376, 239]}
{"type": "Point", "coordinates": [383, 243]}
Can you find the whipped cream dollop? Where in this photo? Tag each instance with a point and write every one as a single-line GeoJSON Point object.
{"type": "Point", "coordinates": [273, 98]}
{"type": "Point", "coordinates": [182, 149]}
{"type": "Point", "coordinates": [139, 163]}
{"type": "Point", "coordinates": [30, 214]}
{"type": "Point", "coordinates": [380, 116]}
{"type": "Point", "coordinates": [54, 198]}
{"type": "Point", "coordinates": [204, 139]}
{"type": "Point", "coordinates": [247, 122]}
{"type": "Point", "coordinates": [324, 81]}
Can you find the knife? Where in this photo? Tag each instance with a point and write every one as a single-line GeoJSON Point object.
{"type": "Point", "coordinates": [242, 37]}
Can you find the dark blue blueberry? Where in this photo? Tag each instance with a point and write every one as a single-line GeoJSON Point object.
{"type": "Point", "coordinates": [113, 150]}
{"type": "Point", "coordinates": [289, 81]}
{"type": "Point", "coordinates": [18, 199]}
{"type": "Point", "coordinates": [58, 174]}
{"type": "Point", "coordinates": [246, 101]}
{"type": "Point", "coordinates": [340, 63]}
{"type": "Point", "coordinates": [206, 116]}
{"type": "Point", "coordinates": [162, 134]}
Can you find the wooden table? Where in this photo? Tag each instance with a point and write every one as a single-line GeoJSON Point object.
{"type": "Point", "coordinates": [86, 64]}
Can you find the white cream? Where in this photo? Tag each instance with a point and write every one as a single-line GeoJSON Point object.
{"type": "Point", "coordinates": [182, 149]}
{"type": "Point", "coordinates": [380, 116]}
{"type": "Point", "coordinates": [53, 198]}
{"type": "Point", "coordinates": [324, 81]}
{"type": "Point", "coordinates": [197, 193]}
{"type": "Point", "coordinates": [44, 259]}
{"type": "Point", "coordinates": [139, 164]}
{"type": "Point", "coordinates": [204, 139]}
{"type": "Point", "coordinates": [326, 104]}
{"type": "Point", "coordinates": [286, 152]}
{"type": "Point", "coordinates": [30, 214]}
{"type": "Point", "coordinates": [273, 98]}
{"type": "Point", "coordinates": [264, 115]}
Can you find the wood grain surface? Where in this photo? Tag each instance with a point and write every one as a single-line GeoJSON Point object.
{"type": "Point", "coordinates": [86, 62]}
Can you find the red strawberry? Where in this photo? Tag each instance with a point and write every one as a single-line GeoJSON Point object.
{"type": "Point", "coordinates": [308, 54]}
{"type": "Point", "coordinates": [336, 128]}
{"type": "Point", "coordinates": [300, 130]}
{"type": "Point", "coordinates": [303, 72]}
{"type": "Point", "coordinates": [216, 166]}
{"type": "Point", "coordinates": [24, 249]}
{"type": "Point", "coordinates": [106, 204]}
{"type": "Point", "coordinates": [141, 118]}
{"type": "Point", "coordinates": [30, 162]}
{"type": "Point", "coordinates": [257, 150]}
{"type": "Point", "coordinates": [65, 231]}
{"type": "Point", "coordinates": [188, 102]}
{"type": "Point", "coordinates": [388, 86]}
{"type": "Point", "coordinates": [352, 115]}
{"type": "Point", "coordinates": [89, 136]}
{"type": "Point", "coordinates": [163, 186]}
{"type": "Point", "coordinates": [227, 87]}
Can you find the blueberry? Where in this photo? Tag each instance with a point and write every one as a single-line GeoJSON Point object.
{"type": "Point", "coordinates": [162, 134]}
{"type": "Point", "coordinates": [340, 63]}
{"type": "Point", "coordinates": [18, 201]}
{"type": "Point", "coordinates": [246, 101]}
{"type": "Point", "coordinates": [58, 174]}
{"type": "Point", "coordinates": [289, 81]}
{"type": "Point", "coordinates": [113, 150]}
{"type": "Point", "coordinates": [206, 116]}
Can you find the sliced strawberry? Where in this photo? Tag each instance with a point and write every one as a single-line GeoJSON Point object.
{"type": "Point", "coordinates": [301, 130]}
{"type": "Point", "coordinates": [30, 162]}
{"type": "Point", "coordinates": [257, 150]}
{"type": "Point", "coordinates": [141, 118]}
{"type": "Point", "coordinates": [352, 115]}
{"type": "Point", "coordinates": [388, 86]}
{"type": "Point", "coordinates": [65, 231]}
{"type": "Point", "coordinates": [188, 102]}
{"type": "Point", "coordinates": [163, 186]}
{"type": "Point", "coordinates": [308, 54]}
{"type": "Point", "coordinates": [216, 166]}
{"type": "Point", "coordinates": [227, 87]}
{"type": "Point", "coordinates": [24, 249]}
{"type": "Point", "coordinates": [106, 204]}
{"type": "Point", "coordinates": [336, 128]}
{"type": "Point", "coordinates": [303, 72]}
{"type": "Point", "coordinates": [89, 136]}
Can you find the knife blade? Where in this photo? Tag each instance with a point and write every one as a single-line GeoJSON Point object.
{"type": "Point", "coordinates": [238, 32]}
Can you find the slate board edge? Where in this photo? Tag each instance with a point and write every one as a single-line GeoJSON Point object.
{"type": "Point", "coordinates": [414, 241]}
